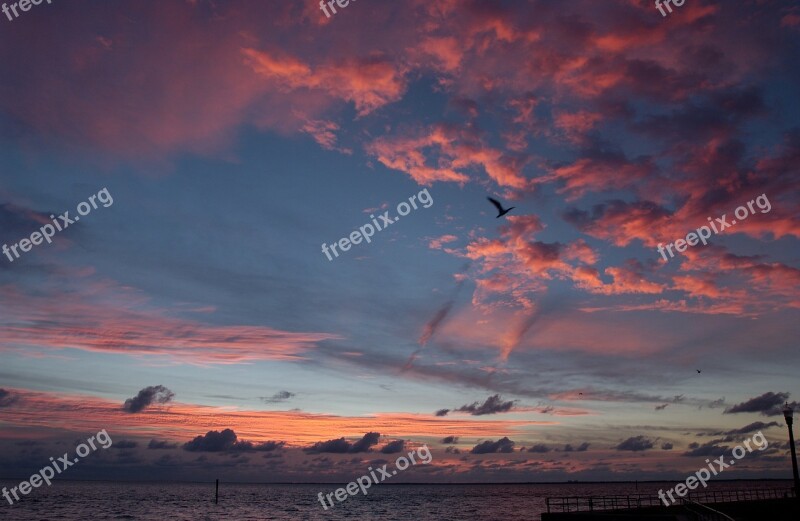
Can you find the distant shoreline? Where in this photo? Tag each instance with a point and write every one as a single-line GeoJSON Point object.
{"type": "Point", "coordinates": [503, 483]}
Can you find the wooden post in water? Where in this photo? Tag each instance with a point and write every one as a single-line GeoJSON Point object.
{"type": "Point", "coordinates": [216, 494]}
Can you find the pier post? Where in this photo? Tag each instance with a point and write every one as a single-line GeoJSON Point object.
{"type": "Point", "coordinates": [788, 414]}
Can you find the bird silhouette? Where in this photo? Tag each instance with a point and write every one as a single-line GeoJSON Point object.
{"type": "Point", "coordinates": [500, 210]}
{"type": "Point", "coordinates": [699, 371]}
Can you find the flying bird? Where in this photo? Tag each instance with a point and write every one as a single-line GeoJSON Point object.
{"type": "Point", "coordinates": [500, 210]}
{"type": "Point", "coordinates": [699, 371]}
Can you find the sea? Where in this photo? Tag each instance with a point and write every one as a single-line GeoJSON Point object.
{"type": "Point", "coordinates": [95, 501]}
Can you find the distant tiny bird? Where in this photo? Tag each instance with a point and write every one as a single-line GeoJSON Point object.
{"type": "Point", "coordinates": [500, 210]}
{"type": "Point", "coordinates": [699, 371]}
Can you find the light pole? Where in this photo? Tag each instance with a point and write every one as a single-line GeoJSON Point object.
{"type": "Point", "coordinates": [788, 413]}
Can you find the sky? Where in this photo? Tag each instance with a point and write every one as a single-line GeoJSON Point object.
{"type": "Point", "coordinates": [279, 263]}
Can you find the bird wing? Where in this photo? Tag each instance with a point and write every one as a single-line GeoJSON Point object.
{"type": "Point", "coordinates": [496, 203]}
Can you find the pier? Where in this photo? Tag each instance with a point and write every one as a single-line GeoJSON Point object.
{"type": "Point", "coordinates": [773, 504]}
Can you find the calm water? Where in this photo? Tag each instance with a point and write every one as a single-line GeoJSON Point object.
{"type": "Point", "coordinates": [194, 502]}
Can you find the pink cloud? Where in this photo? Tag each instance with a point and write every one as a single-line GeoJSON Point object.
{"type": "Point", "coordinates": [108, 319]}
{"type": "Point", "coordinates": [437, 243]}
{"type": "Point", "coordinates": [369, 83]}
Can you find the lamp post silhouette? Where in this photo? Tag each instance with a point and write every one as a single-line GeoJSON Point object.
{"type": "Point", "coordinates": [788, 413]}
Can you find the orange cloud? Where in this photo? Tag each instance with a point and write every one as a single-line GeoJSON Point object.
{"type": "Point", "coordinates": [324, 133]}
{"type": "Point", "coordinates": [182, 422]}
{"type": "Point", "coordinates": [625, 281]}
{"type": "Point", "coordinates": [458, 151]}
{"type": "Point", "coordinates": [597, 174]}
{"type": "Point", "coordinates": [438, 242]}
{"type": "Point", "coordinates": [446, 52]}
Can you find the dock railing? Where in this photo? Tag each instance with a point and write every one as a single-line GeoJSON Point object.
{"type": "Point", "coordinates": [621, 502]}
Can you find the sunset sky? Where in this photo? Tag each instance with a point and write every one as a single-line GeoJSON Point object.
{"type": "Point", "coordinates": [555, 343]}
